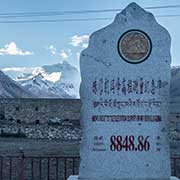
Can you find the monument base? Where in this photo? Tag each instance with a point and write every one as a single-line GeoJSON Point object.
{"type": "Point", "coordinates": [75, 177]}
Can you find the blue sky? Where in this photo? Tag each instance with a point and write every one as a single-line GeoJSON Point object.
{"type": "Point", "coordinates": [37, 44]}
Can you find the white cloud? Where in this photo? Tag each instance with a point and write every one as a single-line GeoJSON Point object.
{"type": "Point", "coordinates": [70, 52]}
{"type": "Point", "coordinates": [12, 49]}
{"type": "Point", "coordinates": [85, 45]}
{"type": "Point", "coordinates": [21, 71]}
{"type": "Point", "coordinates": [78, 55]}
{"type": "Point", "coordinates": [37, 70]}
{"type": "Point", "coordinates": [55, 76]}
{"type": "Point", "coordinates": [79, 41]}
{"type": "Point", "coordinates": [18, 69]}
{"type": "Point", "coordinates": [63, 54]}
{"type": "Point", "coordinates": [52, 49]}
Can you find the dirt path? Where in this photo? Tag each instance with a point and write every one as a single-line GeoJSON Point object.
{"type": "Point", "coordinates": [11, 146]}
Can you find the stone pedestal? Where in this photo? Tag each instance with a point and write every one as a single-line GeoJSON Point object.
{"type": "Point", "coordinates": [76, 178]}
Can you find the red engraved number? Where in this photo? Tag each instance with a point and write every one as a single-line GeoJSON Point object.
{"type": "Point", "coordinates": [117, 143]}
{"type": "Point", "coordinates": [113, 143]}
{"type": "Point", "coordinates": [125, 143]}
{"type": "Point", "coordinates": [146, 144]}
{"type": "Point", "coordinates": [140, 143]}
{"type": "Point", "coordinates": [131, 143]}
{"type": "Point", "coordinates": [128, 143]}
{"type": "Point", "coordinates": [143, 144]}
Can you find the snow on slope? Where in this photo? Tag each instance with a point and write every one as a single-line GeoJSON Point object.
{"type": "Point", "coordinates": [52, 81]}
{"type": "Point", "coordinates": [60, 81]}
{"type": "Point", "coordinates": [175, 82]}
{"type": "Point", "coordinates": [11, 89]}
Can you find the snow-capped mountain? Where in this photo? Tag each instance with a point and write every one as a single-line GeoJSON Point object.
{"type": "Point", "coordinates": [52, 81]}
{"type": "Point", "coordinates": [60, 80]}
{"type": "Point", "coordinates": [11, 89]}
{"type": "Point", "coordinates": [175, 82]}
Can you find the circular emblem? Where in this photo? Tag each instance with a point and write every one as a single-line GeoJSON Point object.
{"type": "Point", "coordinates": [134, 46]}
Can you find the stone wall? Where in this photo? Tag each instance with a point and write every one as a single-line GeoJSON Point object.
{"type": "Point", "coordinates": [40, 118]}
{"type": "Point", "coordinates": [174, 119]}
{"type": "Point", "coordinates": [52, 119]}
{"type": "Point", "coordinates": [41, 111]}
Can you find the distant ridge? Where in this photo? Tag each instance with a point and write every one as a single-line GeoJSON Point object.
{"type": "Point", "coordinates": [11, 89]}
{"type": "Point", "coordinates": [67, 83]}
{"type": "Point", "coordinates": [59, 80]}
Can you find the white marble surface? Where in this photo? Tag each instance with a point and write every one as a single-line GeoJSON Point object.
{"type": "Point", "coordinates": [76, 178]}
{"type": "Point", "coordinates": [106, 85]}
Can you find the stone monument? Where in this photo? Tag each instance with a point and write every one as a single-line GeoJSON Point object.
{"type": "Point", "coordinates": [125, 93]}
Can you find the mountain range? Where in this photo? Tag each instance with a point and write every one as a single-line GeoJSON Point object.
{"type": "Point", "coordinates": [60, 80]}
{"type": "Point", "coordinates": [11, 89]}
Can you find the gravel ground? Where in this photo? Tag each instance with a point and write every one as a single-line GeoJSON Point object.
{"type": "Point", "coordinates": [32, 147]}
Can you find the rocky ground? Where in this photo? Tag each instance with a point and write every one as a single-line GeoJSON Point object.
{"type": "Point", "coordinates": [32, 147]}
{"type": "Point", "coordinates": [42, 131]}
{"type": "Point", "coordinates": [51, 141]}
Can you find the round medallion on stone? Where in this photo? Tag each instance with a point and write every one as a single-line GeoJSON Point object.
{"type": "Point", "coordinates": [134, 46]}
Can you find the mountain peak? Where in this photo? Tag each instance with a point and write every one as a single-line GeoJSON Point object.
{"type": "Point", "coordinates": [39, 75]}
{"type": "Point", "coordinates": [60, 80]}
